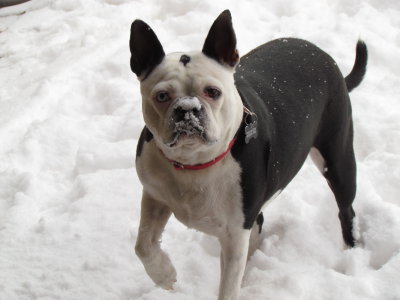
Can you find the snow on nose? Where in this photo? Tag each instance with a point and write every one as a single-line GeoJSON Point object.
{"type": "Point", "coordinates": [188, 104]}
{"type": "Point", "coordinates": [187, 117]}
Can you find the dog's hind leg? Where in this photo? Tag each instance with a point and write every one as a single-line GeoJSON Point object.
{"type": "Point", "coordinates": [154, 217]}
{"type": "Point", "coordinates": [339, 169]}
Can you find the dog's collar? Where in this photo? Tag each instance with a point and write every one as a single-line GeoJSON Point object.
{"type": "Point", "coordinates": [180, 166]}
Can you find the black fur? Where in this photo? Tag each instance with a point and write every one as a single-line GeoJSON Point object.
{"type": "Point", "coordinates": [360, 67]}
{"type": "Point", "coordinates": [5, 3]}
{"type": "Point", "coordinates": [220, 43]}
{"type": "Point", "coordinates": [260, 222]}
{"type": "Point", "coordinates": [145, 136]}
{"type": "Point", "coordinates": [146, 49]}
{"type": "Point", "coordinates": [301, 100]}
{"type": "Point", "coordinates": [185, 59]}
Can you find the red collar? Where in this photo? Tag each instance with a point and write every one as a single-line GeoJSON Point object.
{"type": "Point", "coordinates": [179, 166]}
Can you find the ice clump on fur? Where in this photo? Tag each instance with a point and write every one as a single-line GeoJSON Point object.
{"type": "Point", "coordinates": [190, 125]}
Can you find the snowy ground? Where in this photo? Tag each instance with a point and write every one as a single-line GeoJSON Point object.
{"type": "Point", "coordinates": [70, 116]}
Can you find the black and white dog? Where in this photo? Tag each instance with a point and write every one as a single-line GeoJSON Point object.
{"type": "Point", "coordinates": [223, 138]}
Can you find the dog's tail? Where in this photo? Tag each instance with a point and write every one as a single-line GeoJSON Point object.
{"type": "Point", "coordinates": [360, 67]}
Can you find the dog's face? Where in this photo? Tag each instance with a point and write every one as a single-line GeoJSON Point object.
{"type": "Point", "coordinates": [189, 100]}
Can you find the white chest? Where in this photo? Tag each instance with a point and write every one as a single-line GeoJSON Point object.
{"type": "Point", "coordinates": [206, 200]}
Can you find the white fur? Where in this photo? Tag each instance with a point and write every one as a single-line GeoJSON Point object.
{"type": "Point", "coordinates": [318, 160]}
{"type": "Point", "coordinates": [224, 115]}
{"type": "Point", "coordinates": [158, 266]}
{"type": "Point", "coordinates": [234, 251]}
{"type": "Point", "coordinates": [209, 200]}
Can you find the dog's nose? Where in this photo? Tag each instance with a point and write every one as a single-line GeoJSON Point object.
{"type": "Point", "coordinates": [187, 105]}
{"type": "Point", "coordinates": [182, 115]}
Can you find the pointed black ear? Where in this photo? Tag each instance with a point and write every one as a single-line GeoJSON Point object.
{"type": "Point", "coordinates": [220, 43]}
{"type": "Point", "coordinates": [146, 49]}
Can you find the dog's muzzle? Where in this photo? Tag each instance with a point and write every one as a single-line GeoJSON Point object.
{"type": "Point", "coordinates": [187, 118]}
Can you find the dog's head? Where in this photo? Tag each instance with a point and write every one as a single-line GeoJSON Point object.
{"type": "Point", "coordinates": [189, 100]}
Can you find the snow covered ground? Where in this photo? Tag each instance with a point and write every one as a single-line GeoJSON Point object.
{"type": "Point", "coordinates": [70, 116]}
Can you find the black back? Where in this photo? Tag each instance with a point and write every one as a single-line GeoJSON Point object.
{"type": "Point", "coordinates": [289, 84]}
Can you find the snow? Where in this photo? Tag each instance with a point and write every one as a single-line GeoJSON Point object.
{"type": "Point", "coordinates": [188, 103]}
{"type": "Point", "coordinates": [70, 117]}
{"type": "Point", "coordinates": [190, 124]}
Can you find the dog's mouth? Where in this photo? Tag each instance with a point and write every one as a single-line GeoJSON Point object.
{"type": "Point", "coordinates": [190, 130]}
{"type": "Point", "coordinates": [189, 139]}
{"type": "Point", "coordinates": [188, 122]}
{"type": "Point", "coordinates": [190, 127]}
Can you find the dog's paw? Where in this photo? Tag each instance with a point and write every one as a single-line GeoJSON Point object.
{"type": "Point", "coordinates": [168, 282]}
{"type": "Point", "coordinates": [162, 272]}
{"type": "Point", "coordinates": [167, 277]}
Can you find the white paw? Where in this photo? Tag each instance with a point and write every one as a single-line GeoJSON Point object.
{"type": "Point", "coordinates": [161, 270]}
{"type": "Point", "coordinates": [168, 281]}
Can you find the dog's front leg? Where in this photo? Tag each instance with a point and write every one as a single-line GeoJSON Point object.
{"type": "Point", "coordinates": [234, 250]}
{"type": "Point", "coordinates": [154, 217]}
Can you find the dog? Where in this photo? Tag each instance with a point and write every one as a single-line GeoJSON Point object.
{"type": "Point", "coordinates": [222, 137]}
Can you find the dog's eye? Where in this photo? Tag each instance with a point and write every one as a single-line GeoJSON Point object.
{"type": "Point", "coordinates": [162, 96]}
{"type": "Point", "coordinates": [212, 92]}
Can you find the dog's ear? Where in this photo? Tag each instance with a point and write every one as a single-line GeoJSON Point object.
{"type": "Point", "coordinates": [220, 43]}
{"type": "Point", "coordinates": [146, 49]}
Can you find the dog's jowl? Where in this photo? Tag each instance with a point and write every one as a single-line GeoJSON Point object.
{"type": "Point", "coordinates": [223, 137]}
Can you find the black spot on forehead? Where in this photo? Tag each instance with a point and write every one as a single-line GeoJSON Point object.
{"type": "Point", "coordinates": [184, 59]}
